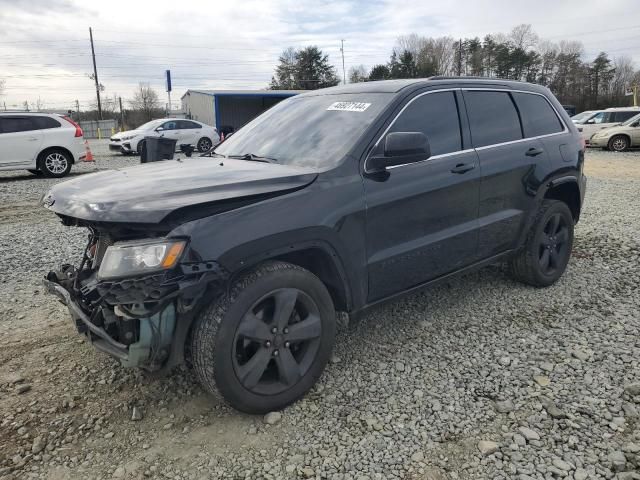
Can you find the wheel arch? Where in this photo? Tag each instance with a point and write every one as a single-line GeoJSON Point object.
{"type": "Point", "coordinates": [316, 256]}
{"type": "Point", "coordinates": [567, 190]}
{"type": "Point", "coordinates": [46, 150]}
{"type": "Point", "coordinates": [626, 135]}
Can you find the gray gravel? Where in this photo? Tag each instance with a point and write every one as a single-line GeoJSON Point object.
{"type": "Point", "coordinates": [479, 378]}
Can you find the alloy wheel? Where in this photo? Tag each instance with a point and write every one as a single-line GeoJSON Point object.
{"type": "Point", "coordinates": [619, 144]}
{"type": "Point", "coordinates": [204, 144]}
{"type": "Point", "coordinates": [56, 163]}
{"type": "Point", "coordinates": [277, 341]}
{"type": "Point", "coordinates": [553, 244]}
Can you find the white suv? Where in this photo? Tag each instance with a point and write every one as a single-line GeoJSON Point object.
{"type": "Point", "coordinates": [41, 143]}
{"type": "Point", "coordinates": [185, 132]}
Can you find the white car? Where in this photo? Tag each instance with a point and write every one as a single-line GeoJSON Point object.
{"type": "Point", "coordinates": [185, 132]}
{"type": "Point", "coordinates": [588, 125]}
{"type": "Point", "coordinates": [41, 143]}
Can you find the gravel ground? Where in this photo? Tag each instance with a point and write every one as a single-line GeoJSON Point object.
{"type": "Point", "coordinates": [479, 378]}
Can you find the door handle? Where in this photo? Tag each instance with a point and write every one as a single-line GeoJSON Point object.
{"type": "Point", "coordinates": [534, 152]}
{"type": "Point", "coordinates": [463, 168]}
{"type": "Point", "coordinates": [32, 139]}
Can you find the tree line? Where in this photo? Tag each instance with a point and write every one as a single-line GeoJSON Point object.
{"type": "Point", "coordinates": [521, 54]}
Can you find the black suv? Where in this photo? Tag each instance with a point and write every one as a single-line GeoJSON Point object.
{"type": "Point", "coordinates": [335, 200]}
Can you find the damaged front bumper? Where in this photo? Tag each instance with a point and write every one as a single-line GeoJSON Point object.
{"type": "Point", "coordinates": [142, 321]}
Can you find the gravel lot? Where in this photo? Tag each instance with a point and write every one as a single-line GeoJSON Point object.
{"type": "Point", "coordinates": [479, 378]}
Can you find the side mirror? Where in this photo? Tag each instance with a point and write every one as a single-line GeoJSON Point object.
{"type": "Point", "coordinates": [635, 124]}
{"type": "Point", "coordinates": [159, 129]}
{"type": "Point", "coordinates": [401, 148]}
{"type": "Point", "coordinates": [589, 122]}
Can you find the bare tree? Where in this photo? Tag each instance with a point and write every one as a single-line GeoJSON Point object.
{"type": "Point", "coordinates": [358, 74]}
{"type": "Point", "coordinates": [522, 36]}
{"type": "Point", "coordinates": [145, 99]}
{"type": "Point", "coordinates": [1, 87]}
{"type": "Point", "coordinates": [623, 75]}
{"type": "Point", "coordinates": [412, 43]}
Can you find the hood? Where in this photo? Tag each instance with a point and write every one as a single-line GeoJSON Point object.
{"type": "Point", "coordinates": [607, 132]}
{"type": "Point", "coordinates": [148, 193]}
{"type": "Point", "coordinates": [127, 133]}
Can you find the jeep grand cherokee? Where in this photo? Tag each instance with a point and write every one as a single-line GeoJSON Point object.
{"type": "Point", "coordinates": [335, 200]}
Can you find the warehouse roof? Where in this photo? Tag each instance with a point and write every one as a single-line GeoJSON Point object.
{"type": "Point", "coordinates": [266, 93]}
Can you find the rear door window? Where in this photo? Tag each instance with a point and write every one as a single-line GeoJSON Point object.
{"type": "Point", "coordinates": [493, 118]}
{"type": "Point", "coordinates": [186, 124]}
{"type": "Point", "coordinates": [538, 117]}
{"type": "Point", "coordinates": [435, 115]}
{"type": "Point", "coordinates": [620, 117]}
{"type": "Point", "coordinates": [16, 124]}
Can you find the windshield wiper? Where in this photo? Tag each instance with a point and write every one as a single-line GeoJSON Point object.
{"type": "Point", "coordinates": [253, 158]}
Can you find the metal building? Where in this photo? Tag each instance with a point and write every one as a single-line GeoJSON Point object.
{"type": "Point", "coordinates": [228, 110]}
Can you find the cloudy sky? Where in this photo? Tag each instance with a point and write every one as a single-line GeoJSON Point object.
{"type": "Point", "coordinates": [45, 52]}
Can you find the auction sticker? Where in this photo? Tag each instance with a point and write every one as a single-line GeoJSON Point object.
{"type": "Point", "coordinates": [349, 106]}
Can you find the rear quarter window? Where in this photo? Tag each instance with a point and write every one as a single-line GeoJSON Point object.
{"type": "Point", "coordinates": [538, 116]}
{"type": "Point", "coordinates": [42, 123]}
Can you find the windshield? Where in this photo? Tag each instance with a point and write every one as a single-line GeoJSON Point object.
{"type": "Point", "coordinates": [582, 116]}
{"type": "Point", "coordinates": [150, 125]}
{"type": "Point", "coordinates": [311, 131]}
{"type": "Point", "coordinates": [633, 119]}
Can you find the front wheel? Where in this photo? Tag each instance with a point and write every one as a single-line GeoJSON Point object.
{"type": "Point", "coordinates": [618, 143]}
{"type": "Point", "coordinates": [265, 344]}
{"type": "Point", "coordinates": [547, 250]}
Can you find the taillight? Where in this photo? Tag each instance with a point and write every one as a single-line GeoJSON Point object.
{"type": "Point", "coordinates": [583, 143]}
{"type": "Point", "coordinates": [79, 132]}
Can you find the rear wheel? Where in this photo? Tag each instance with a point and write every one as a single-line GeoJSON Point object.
{"type": "Point", "coordinates": [618, 143]}
{"type": "Point", "coordinates": [204, 144]}
{"type": "Point", "coordinates": [265, 344]}
{"type": "Point", "coordinates": [54, 163]}
{"type": "Point", "coordinates": [546, 253]}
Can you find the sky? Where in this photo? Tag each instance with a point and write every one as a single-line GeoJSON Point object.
{"type": "Point", "coordinates": [45, 54]}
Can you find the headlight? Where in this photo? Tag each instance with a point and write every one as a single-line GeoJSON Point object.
{"type": "Point", "coordinates": [127, 137]}
{"type": "Point", "coordinates": [139, 258]}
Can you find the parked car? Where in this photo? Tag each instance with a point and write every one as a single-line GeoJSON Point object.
{"type": "Point", "coordinates": [604, 119]}
{"type": "Point", "coordinates": [580, 117]}
{"type": "Point", "coordinates": [377, 189]}
{"type": "Point", "coordinates": [41, 143]}
{"type": "Point", "coordinates": [185, 132]}
{"type": "Point", "coordinates": [619, 138]}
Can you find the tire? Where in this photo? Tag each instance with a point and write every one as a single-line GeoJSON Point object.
{"type": "Point", "coordinates": [618, 143]}
{"type": "Point", "coordinates": [204, 144]}
{"type": "Point", "coordinates": [54, 163]}
{"type": "Point", "coordinates": [139, 147]}
{"type": "Point", "coordinates": [237, 355]}
{"type": "Point", "coordinates": [552, 232]}
{"type": "Point", "coordinates": [37, 173]}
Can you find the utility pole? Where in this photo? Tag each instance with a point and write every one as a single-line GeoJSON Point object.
{"type": "Point", "coordinates": [95, 74]}
{"type": "Point", "coordinates": [121, 114]}
{"type": "Point", "coordinates": [344, 75]}
{"type": "Point", "coordinates": [77, 110]}
{"type": "Point", "coordinates": [460, 58]}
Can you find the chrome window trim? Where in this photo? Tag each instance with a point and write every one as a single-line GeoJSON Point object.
{"type": "Point", "coordinates": [458, 152]}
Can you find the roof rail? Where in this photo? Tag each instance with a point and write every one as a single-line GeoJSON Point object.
{"type": "Point", "coordinates": [470, 77]}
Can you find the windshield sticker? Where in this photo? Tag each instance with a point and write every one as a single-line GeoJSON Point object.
{"type": "Point", "coordinates": [349, 106]}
